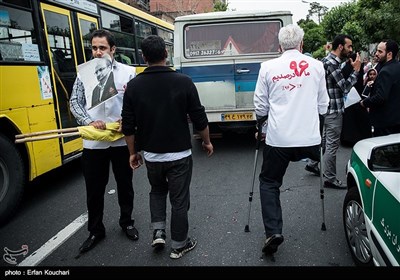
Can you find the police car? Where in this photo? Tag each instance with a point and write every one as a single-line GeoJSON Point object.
{"type": "Point", "coordinates": [371, 209]}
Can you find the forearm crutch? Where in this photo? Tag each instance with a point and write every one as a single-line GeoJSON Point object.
{"type": "Point", "coordinates": [47, 134]}
{"type": "Point", "coordinates": [321, 172]}
{"type": "Point", "coordinates": [258, 142]}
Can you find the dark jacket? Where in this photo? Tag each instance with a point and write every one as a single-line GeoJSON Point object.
{"type": "Point", "coordinates": [384, 100]}
{"type": "Point", "coordinates": [155, 108]}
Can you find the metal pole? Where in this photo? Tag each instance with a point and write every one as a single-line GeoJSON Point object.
{"type": "Point", "coordinates": [321, 190]}
{"type": "Point", "coordinates": [258, 141]}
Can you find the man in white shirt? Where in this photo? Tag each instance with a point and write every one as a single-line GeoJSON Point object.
{"type": "Point", "coordinates": [291, 93]}
{"type": "Point", "coordinates": [97, 156]}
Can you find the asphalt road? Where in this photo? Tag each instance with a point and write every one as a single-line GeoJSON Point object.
{"type": "Point", "coordinates": [219, 212]}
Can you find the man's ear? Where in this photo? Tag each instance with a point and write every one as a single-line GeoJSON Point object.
{"type": "Point", "coordinates": [166, 54]}
{"type": "Point", "coordinates": [113, 49]}
{"type": "Point", "coordinates": [144, 58]}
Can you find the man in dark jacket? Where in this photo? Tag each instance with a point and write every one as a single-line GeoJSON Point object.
{"type": "Point", "coordinates": [384, 100]}
{"type": "Point", "coordinates": [154, 119]}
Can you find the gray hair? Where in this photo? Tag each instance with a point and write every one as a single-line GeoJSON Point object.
{"type": "Point", "coordinates": [290, 37]}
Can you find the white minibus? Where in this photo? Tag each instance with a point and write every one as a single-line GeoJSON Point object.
{"type": "Point", "coordinates": [222, 53]}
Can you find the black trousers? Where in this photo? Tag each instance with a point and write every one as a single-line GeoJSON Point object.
{"type": "Point", "coordinates": [96, 169]}
{"type": "Point", "coordinates": [275, 163]}
{"type": "Point", "coordinates": [171, 177]}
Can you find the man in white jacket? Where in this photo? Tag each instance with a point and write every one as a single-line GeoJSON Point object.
{"type": "Point", "coordinates": [291, 93]}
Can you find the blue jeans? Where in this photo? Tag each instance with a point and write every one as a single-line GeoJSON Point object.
{"type": "Point", "coordinates": [171, 177]}
{"type": "Point", "coordinates": [275, 163]}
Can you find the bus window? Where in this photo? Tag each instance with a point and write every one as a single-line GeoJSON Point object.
{"type": "Point", "coordinates": [110, 20]}
{"type": "Point", "coordinates": [122, 28]}
{"type": "Point", "coordinates": [230, 39]}
{"type": "Point", "coordinates": [166, 35]}
{"type": "Point", "coordinates": [168, 38]}
{"type": "Point", "coordinates": [143, 30]}
{"type": "Point", "coordinates": [170, 51]}
{"type": "Point", "coordinates": [125, 56]}
{"type": "Point", "coordinates": [17, 41]}
{"type": "Point", "coordinates": [87, 27]}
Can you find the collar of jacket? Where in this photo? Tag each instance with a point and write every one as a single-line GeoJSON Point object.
{"type": "Point", "coordinates": [157, 69]}
{"type": "Point", "coordinates": [393, 60]}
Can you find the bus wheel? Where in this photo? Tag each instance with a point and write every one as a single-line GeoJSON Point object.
{"type": "Point", "coordinates": [12, 178]}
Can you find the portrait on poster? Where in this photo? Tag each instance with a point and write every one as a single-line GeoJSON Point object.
{"type": "Point", "coordinates": [98, 79]}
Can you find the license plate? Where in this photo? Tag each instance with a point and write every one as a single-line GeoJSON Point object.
{"type": "Point", "coordinates": [237, 117]}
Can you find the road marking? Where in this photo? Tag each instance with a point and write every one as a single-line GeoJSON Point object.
{"type": "Point", "coordinates": [53, 243]}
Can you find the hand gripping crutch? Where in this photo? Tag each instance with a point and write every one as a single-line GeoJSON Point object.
{"type": "Point", "coordinates": [321, 173]}
{"type": "Point", "coordinates": [258, 142]}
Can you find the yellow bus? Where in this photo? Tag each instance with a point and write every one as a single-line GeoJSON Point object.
{"type": "Point", "coordinates": [41, 44]}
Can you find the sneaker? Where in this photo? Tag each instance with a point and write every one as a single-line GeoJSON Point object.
{"type": "Point", "coordinates": [178, 253]}
{"type": "Point", "coordinates": [159, 237]}
{"type": "Point", "coordinates": [335, 185]}
{"type": "Point", "coordinates": [315, 170]}
{"type": "Point", "coordinates": [272, 243]}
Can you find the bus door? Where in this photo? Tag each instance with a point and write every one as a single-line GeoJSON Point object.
{"type": "Point", "coordinates": [62, 42]}
{"type": "Point", "coordinates": [246, 75]}
{"type": "Point", "coordinates": [215, 83]}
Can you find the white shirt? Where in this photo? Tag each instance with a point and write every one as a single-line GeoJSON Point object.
{"type": "Point", "coordinates": [291, 91]}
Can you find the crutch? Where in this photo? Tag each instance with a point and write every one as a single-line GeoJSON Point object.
{"type": "Point", "coordinates": [47, 134]}
{"type": "Point", "coordinates": [321, 189]}
{"type": "Point", "coordinates": [88, 132]}
{"type": "Point", "coordinates": [321, 173]}
{"type": "Point", "coordinates": [258, 142]}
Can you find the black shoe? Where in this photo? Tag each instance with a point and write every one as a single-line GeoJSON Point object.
{"type": "Point", "coordinates": [312, 169]}
{"type": "Point", "coordinates": [335, 185]}
{"type": "Point", "coordinates": [131, 232]}
{"type": "Point", "coordinates": [91, 242]}
{"type": "Point", "coordinates": [159, 237]}
{"type": "Point", "coordinates": [178, 253]}
{"type": "Point", "coordinates": [272, 243]}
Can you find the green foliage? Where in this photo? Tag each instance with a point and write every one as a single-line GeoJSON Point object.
{"type": "Point", "coordinates": [313, 35]}
{"type": "Point", "coordinates": [320, 53]}
{"type": "Point", "coordinates": [379, 19]}
{"type": "Point", "coordinates": [366, 21]}
{"type": "Point", "coordinates": [220, 6]}
{"type": "Point", "coordinates": [336, 19]}
{"type": "Point", "coordinates": [343, 20]}
{"type": "Point", "coordinates": [360, 42]}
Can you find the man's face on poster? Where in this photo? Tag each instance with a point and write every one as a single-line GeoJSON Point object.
{"type": "Point", "coordinates": [102, 69]}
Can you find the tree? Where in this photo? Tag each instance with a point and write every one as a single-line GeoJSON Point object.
{"type": "Point", "coordinates": [342, 20]}
{"type": "Point", "coordinates": [220, 6]}
{"type": "Point", "coordinates": [316, 9]}
{"type": "Point", "coordinates": [379, 19]}
{"type": "Point", "coordinates": [313, 35]}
